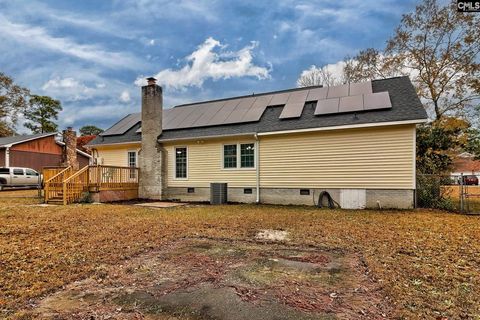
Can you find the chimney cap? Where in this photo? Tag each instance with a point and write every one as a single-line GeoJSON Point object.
{"type": "Point", "coordinates": [151, 80]}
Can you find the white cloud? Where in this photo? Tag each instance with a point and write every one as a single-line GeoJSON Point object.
{"type": "Point", "coordinates": [38, 37]}
{"type": "Point", "coordinates": [125, 96]}
{"type": "Point", "coordinates": [70, 88]}
{"type": "Point", "coordinates": [208, 63]}
{"type": "Point", "coordinates": [330, 74]}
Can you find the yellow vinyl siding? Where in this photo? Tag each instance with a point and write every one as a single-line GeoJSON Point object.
{"type": "Point", "coordinates": [370, 158]}
{"type": "Point", "coordinates": [116, 155]}
{"type": "Point", "coordinates": [367, 158]}
{"type": "Point", "coordinates": [205, 165]}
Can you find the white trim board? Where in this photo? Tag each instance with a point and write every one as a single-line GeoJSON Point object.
{"type": "Point", "coordinates": [350, 126]}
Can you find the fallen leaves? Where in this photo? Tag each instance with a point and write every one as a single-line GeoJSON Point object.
{"type": "Point", "coordinates": [426, 261]}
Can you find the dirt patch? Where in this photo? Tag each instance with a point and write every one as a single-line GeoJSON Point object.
{"type": "Point", "coordinates": [208, 279]}
{"type": "Point", "coordinates": [272, 235]}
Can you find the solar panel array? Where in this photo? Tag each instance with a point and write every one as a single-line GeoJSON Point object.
{"type": "Point", "coordinates": [352, 97]}
{"type": "Point", "coordinates": [330, 100]}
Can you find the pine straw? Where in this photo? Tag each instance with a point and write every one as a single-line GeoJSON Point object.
{"type": "Point", "coordinates": [427, 261]}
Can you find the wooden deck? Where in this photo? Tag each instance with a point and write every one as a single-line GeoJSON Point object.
{"type": "Point", "coordinates": [65, 186]}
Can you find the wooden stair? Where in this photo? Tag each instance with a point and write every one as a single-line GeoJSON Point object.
{"type": "Point", "coordinates": [58, 199]}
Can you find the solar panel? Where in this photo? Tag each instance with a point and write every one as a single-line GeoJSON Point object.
{"type": "Point", "coordinates": [279, 98]}
{"type": "Point", "coordinates": [198, 111]}
{"type": "Point", "coordinates": [258, 108]}
{"type": "Point", "coordinates": [338, 91]}
{"type": "Point", "coordinates": [123, 125]}
{"type": "Point", "coordinates": [360, 88]}
{"type": "Point", "coordinates": [209, 113]}
{"type": "Point", "coordinates": [351, 103]}
{"type": "Point", "coordinates": [224, 112]}
{"type": "Point", "coordinates": [327, 106]}
{"type": "Point", "coordinates": [292, 110]}
{"type": "Point", "coordinates": [377, 100]}
{"type": "Point", "coordinates": [180, 115]}
{"type": "Point", "coordinates": [294, 106]}
{"type": "Point", "coordinates": [240, 110]}
{"type": "Point", "coordinates": [317, 94]}
{"type": "Point", "coordinates": [298, 96]}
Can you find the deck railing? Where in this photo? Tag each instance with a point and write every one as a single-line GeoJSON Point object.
{"type": "Point", "coordinates": [113, 178]}
{"type": "Point", "coordinates": [75, 185]}
{"type": "Point", "coordinates": [49, 172]}
{"type": "Point", "coordinates": [53, 187]}
{"type": "Point", "coordinates": [67, 186]}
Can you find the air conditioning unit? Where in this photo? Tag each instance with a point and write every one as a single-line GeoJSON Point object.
{"type": "Point", "coordinates": [218, 193]}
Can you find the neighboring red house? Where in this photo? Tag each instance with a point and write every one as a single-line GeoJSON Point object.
{"type": "Point", "coordinates": [35, 151]}
{"type": "Point", "coordinates": [465, 163]}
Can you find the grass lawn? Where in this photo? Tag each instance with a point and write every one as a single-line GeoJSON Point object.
{"type": "Point", "coordinates": [424, 264]}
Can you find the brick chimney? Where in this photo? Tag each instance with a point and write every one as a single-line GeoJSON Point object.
{"type": "Point", "coordinates": [151, 163]}
{"type": "Point", "coordinates": [69, 154]}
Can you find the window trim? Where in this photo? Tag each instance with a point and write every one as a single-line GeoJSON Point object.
{"type": "Point", "coordinates": [175, 162]}
{"type": "Point", "coordinates": [132, 173]}
{"type": "Point", "coordinates": [239, 157]}
{"type": "Point", "coordinates": [223, 156]}
{"type": "Point", "coordinates": [136, 157]}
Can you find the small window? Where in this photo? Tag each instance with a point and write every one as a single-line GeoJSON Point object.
{"type": "Point", "coordinates": [18, 172]}
{"type": "Point", "coordinates": [4, 171]}
{"type": "Point", "coordinates": [304, 192]}
{"type": "Point", "coordinates": [230, 156]}
{"type": "Point", "coordinates": [247, 191]}
{"type": "Point", "coordinates": [191, 190]}
{"type": "Point", "coordinates": [132, 163]}
{"type": "Point", "coordinates": [132, 159]}
{"type": "Point", "coordinates": [247, 155]}
{"type": "Point", "coordinates": [181, 163]}
{"type": "Point", "coordinates": [31, 172]}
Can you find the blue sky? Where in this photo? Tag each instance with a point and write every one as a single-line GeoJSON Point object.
{"type": "Point", "coordinates": [92, 55]}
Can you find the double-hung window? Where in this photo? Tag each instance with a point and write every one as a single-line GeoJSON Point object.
{"type": "Point", "coordinates": [181, 163]}
{"type": "Point", "coordinates": [247, 155]}
{"type": "Point", "coordinates": [240, 155]}
{"type": "Point", "coordinates": [132, 163]}
{"type": "Point", "coordinates": [230, 156]}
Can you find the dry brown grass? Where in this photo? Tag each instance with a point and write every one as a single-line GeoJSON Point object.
{"type": "Point", "coordinates": [427, 261]}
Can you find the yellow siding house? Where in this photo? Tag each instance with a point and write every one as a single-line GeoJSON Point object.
{"type": "Point", "coordinates": [354, 143]}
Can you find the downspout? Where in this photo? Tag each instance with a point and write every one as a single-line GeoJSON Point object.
{"type": "Point", "coordinates": [7, 157]}
{"type": "Point", "coordinates": [257, 168]}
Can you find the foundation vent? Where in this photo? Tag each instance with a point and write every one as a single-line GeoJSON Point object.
{"type": "Point", "coordinates": [218, 193]}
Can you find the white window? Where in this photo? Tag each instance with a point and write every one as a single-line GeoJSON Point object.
{"type": "Point", "coordinates": [132, 163]}
{"type": "Point", "coordinates": [230, 156]}
{"type": "Point", "coordinates": [181, 163]}
{"type": "Point", "coordinates": [247, 155]}
{"type": "Point", "coordinates": [132, 159]}
{"type": "Point", "coordinates": [241, 155]}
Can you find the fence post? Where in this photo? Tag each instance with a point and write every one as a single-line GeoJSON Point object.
{"type": "Point", "coordinates": [461, 194]}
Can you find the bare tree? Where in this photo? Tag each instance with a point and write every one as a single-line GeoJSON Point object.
{"type": "Point", "coordinates": [439, 49]}
{"type": "Point", "coordinates": [442, 47]}
{"type": "Point", "coordinates": [316, 76]}
{"type": "Point", "coordinates": [370, 64]}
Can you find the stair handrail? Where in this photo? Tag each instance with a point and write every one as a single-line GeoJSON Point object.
{"type": "Point", "coordinates": [47, 184]}
{"type": "Point", "coordinates": [66, 197]}
{"type": "Point", "coordinates": [58, 174]}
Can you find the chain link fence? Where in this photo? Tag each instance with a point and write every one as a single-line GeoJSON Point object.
{"type": "Point", "coordinates": [456, 193]}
